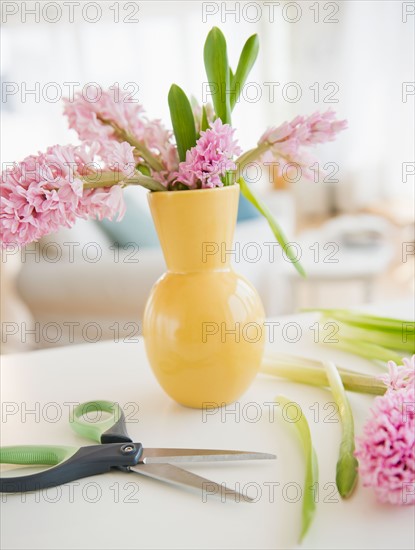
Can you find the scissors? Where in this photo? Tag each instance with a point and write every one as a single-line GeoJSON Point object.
{"type": "Point", "coordinates": [116, 451]}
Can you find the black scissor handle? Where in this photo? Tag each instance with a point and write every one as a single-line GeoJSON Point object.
{"type": "Point", "coordinates": [87, 461]}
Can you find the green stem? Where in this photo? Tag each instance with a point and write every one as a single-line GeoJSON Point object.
{"type": "Point", "coordinates": [387, 339]}
{"type": "Point", "coordinates": [306, 371]}
{"type": "Point", "coordinates": [145, 181]}
{"type": "Point", "coordinates": [346, 469]}
{"type": "Point", "coordinates": [364, 320]}
{"type": "Point", "coordinates": [250, 156]}
{"type": "Point", "coordinates": [108, 179]}
{"type": "Point", "coordinates": [368, 350]}
{"type": "Point", "coordinates": [145, 153]}
{"type": "Point", "coordinates": [103, 179]}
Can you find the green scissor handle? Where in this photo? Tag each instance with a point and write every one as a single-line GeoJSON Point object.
{"type": "Point", "coordinates": [34, 454]}
{"type": "Point", "coordinates": [90, 422]}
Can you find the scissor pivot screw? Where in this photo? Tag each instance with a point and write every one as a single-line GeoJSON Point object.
{"type": "Point", "coordinates": [127, 449]}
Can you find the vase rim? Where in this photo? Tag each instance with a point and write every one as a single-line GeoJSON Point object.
{"type": "Point", "coordinates": [199, 191]}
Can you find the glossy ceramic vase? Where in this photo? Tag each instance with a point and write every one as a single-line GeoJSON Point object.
{"type": "Point", "coordinates": [203, 324]}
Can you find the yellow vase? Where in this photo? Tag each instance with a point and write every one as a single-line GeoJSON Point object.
{"type": "Point", "coordinates": [203, 324]}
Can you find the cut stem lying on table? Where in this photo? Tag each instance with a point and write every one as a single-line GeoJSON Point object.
{"type": "Point", "coordinates": [307, 371]}
{"type": "Point", "coordinates": [311, 478]}
{"type": "Point", "coordinates": [368, 350]}
{"type": "Point", "coordinates": [346, 470]}
{"type": "Point", "coordinates": [376, 338]}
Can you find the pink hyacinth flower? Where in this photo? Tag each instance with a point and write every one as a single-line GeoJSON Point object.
{"type": "Point", "coordinates": [207, 163]}
{"type": "Point", "coordinates": [120, 158]}
{"type": "Point", "coordinates": [45, 192]}
{"type": "Point", "coordinates": [386, 451]}
{"type": "Point", "coordinates": [399, 376]}
{"type": "Point", "coordinates": [94, 121]}
{"type": "Point", "coordinates": [290, 140]}
{"type": "Point", "coordinates": [102, 203]}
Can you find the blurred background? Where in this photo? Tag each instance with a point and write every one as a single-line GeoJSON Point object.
{"type": "Point", "coordinates": [354, 225]}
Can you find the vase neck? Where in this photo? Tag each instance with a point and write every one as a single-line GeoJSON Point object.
{"type": "Point", "coordinates": [196, 228]}
{"type": "Point", "coordinates": [201, 256]}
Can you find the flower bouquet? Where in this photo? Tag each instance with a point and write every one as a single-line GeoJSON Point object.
{"type": "Point", "coordinates": [121, 146]}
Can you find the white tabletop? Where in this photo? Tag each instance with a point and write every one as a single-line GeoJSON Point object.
{"type": "Point", "coordinates": [119, 510]}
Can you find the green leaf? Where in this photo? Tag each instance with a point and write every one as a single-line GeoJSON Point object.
{"type": "Point", "coordinates": [299, 422]}
{"type": "Point", "coordinates": [143, 169]}
{"type": "Point", "coordinates": [182, 120]}
{"type": "Point", "coordinates": [204, 124]}
{"type": "Point", "coordinates": [245, 64]}
{"type": "Point", "coordinates": [217, 70]}
{"type": "Point", "coordinates": [276, 229]}
{"type": "Point", "coordinates": [231, 78]}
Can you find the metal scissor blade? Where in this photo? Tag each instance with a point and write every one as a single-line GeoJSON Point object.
{"type": "Point", "coordinates": [182, 478]}
{"type": "Point", "coordinates": [159, 456]}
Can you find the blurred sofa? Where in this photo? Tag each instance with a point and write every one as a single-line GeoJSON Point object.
{"type": "Point", "coordinates": [81, 287]}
